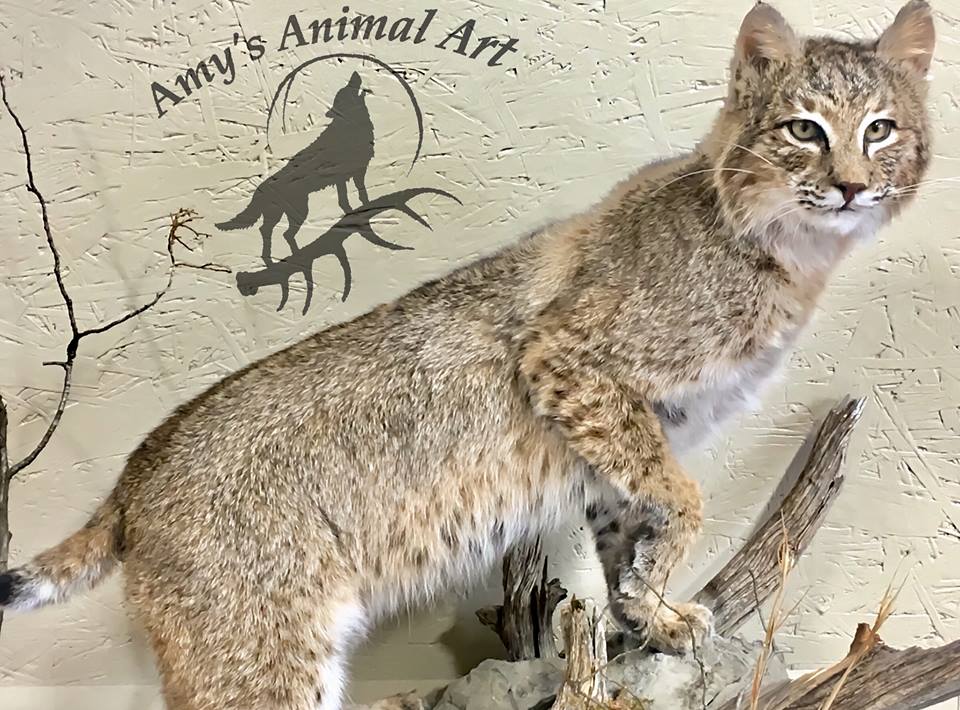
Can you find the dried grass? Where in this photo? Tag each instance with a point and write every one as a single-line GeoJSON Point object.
{"type": "Point", "coordinates": [778, 615]}
{"type": "Point", "coordinates": [865, 639]}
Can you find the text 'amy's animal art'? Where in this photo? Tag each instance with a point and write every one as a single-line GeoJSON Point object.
{"type": "Point", "coordinates": [340, 156]}
{"type": "Point", "coordinates": [464, 39]}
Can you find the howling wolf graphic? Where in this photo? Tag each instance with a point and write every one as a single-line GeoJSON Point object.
{"type": "Point", "coordinates": [341, 153]}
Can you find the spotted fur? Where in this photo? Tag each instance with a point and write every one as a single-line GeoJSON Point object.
{"type": "Point", "coordinates": [268, 523]}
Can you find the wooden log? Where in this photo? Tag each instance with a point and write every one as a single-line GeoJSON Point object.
{"type": "Point", "coordinates": [585, 646]}
{"type": "Point", "coordinates": [524, 620]}
{"type": "Point", "coordinates": [753, 574]}
{"type": "Point", "coordinates": [883, 679]}
{"type": "Point", "coordinates": [890, 679]}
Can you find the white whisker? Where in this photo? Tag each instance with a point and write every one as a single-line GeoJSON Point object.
{"type": "Point", "coordinates": [700, 172]}
{"type": "Point", "coordinates": [752, 152]}
{"type": "Point", "coordinates": [922, 183]}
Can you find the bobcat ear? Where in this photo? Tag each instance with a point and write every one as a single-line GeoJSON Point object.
{"type": "Point", "coordinates": [765, 37]}
{"type": "Point", "coordinates": [911, 37]}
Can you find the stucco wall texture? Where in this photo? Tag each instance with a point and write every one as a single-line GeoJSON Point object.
{"type": "Point", "coordinates": [589, 91]}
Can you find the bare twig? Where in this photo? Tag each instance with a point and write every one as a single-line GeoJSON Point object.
{"type": "Point", "coordinates": [3, 437]}
{"type": "Point", "coordinates": [4, 491]}
{"type": "Point", "coordinates": [180, 220]}
{"type": "Point", "coordinates": [12, 471]}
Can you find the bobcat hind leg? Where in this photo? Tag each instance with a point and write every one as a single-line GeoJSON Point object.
{"type": "Point", "coordinates": [247, 652]}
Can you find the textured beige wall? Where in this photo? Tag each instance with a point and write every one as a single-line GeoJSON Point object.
{"type": "Point", "coordinates": [595, 88]}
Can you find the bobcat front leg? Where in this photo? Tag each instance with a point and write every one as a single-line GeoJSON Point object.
{"type": "Point", "coordinates": [656, 515]}
{"type": "Point", "coordinates": [638, 549]}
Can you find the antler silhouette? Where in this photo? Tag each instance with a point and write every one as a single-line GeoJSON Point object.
{"type": "Point", "coordinates": [331, 243]}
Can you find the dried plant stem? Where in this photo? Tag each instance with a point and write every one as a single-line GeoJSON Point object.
{"type": "Point", "coordinates": [776, 620]}
{"type": "Point", "coordinates": [872, 676]}
{"type": "Point", "coordinates": [866, 638]}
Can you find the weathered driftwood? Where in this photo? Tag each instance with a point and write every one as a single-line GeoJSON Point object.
{"type": "Point", "coordinates": [882, 678]}
{"type": "Point", "coordinates": [891, 679]}
{"type": "Point", "coordinates": [585, 646]}
{"type": "Point", "coordinates": [752, 575]}
{"type": "Point", "coordinates": [524, 620]}
{"type": "Point", "coordinates": [734, 594]}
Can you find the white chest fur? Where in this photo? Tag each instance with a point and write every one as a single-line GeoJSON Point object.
{"type": "Point", "coordinates": [691, 417]}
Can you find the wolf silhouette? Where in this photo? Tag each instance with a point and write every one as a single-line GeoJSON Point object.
{"type": "Point", "coordinates": [342, 152]}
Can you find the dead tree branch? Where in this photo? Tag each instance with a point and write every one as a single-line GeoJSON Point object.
{"type": "Point", "coordinates": [180, 220]}
{"type": "Point", "coordinates": [4, 491]}
{"type": "Point", "coordinates": [524, 621]}
{"type": "Point", "coordinates": [890, 679]}
{"type": "Point", "coordinates": [585, 645]}
{"type": "Point", "coordinates": [877, 678]}
{"type": "Point", "coordinates": [753, 574]}
{"type": "Point", "coordinates": [871, 676]}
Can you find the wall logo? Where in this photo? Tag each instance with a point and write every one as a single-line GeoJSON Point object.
{"type": "Point", "coordinates": [340, 156]}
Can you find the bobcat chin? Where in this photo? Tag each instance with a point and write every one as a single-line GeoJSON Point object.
{"type": "Point", "coordinates": [265, 525]}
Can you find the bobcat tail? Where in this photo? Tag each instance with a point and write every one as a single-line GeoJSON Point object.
{"type": "Point", "coordinates": [76, 564]}
{"type": "Point", "coordinates": [247, 218]}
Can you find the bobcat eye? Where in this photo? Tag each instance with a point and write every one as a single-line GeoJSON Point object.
{"type": "Point", "coordinates": [806, 131]}
{"type": "Point", "coordinates": [879, 130]}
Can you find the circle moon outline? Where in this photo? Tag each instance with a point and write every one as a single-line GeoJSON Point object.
{"type": "Point", "coordinates": [288, 81]}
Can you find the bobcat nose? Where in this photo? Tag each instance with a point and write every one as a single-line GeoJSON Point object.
{"type": "Point", "coordinates": [850, 190]}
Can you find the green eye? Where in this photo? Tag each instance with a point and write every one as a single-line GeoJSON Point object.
{"type": "Point", "coordinates": [804, 130]}
{"type": "Point", "coordinates": [879, 130]}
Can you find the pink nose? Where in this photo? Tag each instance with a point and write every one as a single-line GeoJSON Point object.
{"type": "Point", "coordinates": [850, 190]}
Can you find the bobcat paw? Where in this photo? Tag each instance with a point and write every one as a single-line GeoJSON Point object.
{"type": "Point", "coordinates": [682, 628]}
{"type": "Point", "coordinates": [676, 629]}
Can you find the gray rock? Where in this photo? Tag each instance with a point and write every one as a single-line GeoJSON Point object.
{"type": "Point", "coordinates": [504, 685]}
{"type": "Point", "coordinates": [663, 682]}
{"type": "Point", "coordinates": [677, 682]}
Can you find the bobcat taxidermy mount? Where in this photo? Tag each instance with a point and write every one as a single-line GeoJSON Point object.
{"type": "Point", "coordinates": [265, 525]}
